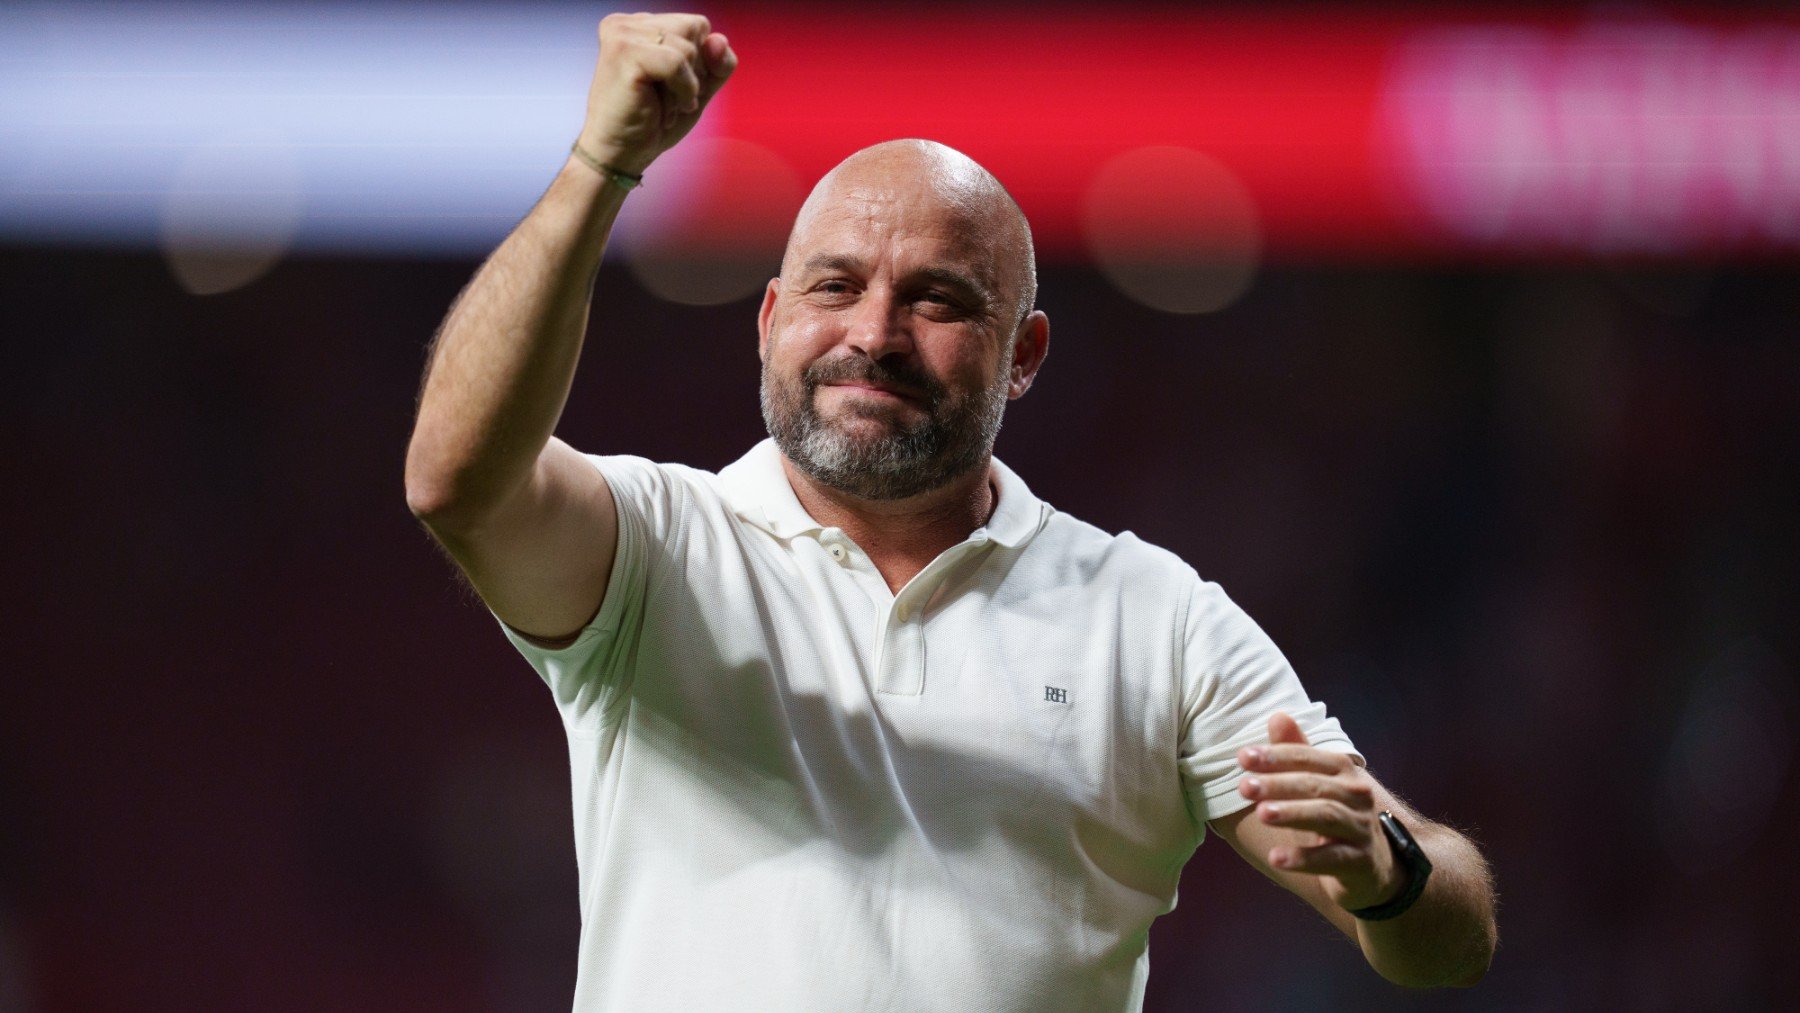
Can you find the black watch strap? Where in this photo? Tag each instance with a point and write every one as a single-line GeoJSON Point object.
{"type": "Point", "coordinates": [1411, 858]}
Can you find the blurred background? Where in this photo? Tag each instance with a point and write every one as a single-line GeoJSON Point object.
{"type": "Point", "coordinates": [1459, 346]}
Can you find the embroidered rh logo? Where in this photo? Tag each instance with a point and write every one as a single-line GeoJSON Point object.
{"type": "Point", "coordinates": [1056, 694]}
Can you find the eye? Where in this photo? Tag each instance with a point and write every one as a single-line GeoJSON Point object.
{"type": "Point", "coordinates": [940, 305]}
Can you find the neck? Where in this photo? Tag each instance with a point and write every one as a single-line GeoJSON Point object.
{"type": "Point", "coordinates": [901, 536]}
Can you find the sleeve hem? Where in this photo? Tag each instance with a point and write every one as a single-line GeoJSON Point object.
{"type": "Point", "coordinates": [612, 604]}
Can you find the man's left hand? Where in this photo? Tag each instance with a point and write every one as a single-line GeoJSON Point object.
{"type": "Point", "coordinates": [1330, 799]}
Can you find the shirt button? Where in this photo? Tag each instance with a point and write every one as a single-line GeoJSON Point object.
{"type": "Point", "coordinates": [837, 552]}
{"type": "Point", "coordinates": [902, 613]}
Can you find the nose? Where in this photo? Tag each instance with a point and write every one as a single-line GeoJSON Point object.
{"type": "Point", "coordinates": [878, 328]}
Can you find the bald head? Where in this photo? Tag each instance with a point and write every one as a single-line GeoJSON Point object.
{"type": "Point", "coordinates": [925, 173]}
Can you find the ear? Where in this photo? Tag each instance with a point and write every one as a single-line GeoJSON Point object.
{"type": "Point", "coordinates": [763, 317]}
{"type": "Point", "coordinates": [1030, 344]}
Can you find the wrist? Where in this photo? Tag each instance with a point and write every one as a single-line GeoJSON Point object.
{"type": "Point", "coordinates": [1413, 869]}
{"type": "Point", "coordinates": [620, 157]}
{"type": "Point", "coordinates": [619, 178]}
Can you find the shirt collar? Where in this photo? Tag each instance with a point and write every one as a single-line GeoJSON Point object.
{"type": "Point", "coordinates": [757, 488]}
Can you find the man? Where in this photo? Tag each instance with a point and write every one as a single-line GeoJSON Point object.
{"type": "Point", "coordinates": [859, 723]}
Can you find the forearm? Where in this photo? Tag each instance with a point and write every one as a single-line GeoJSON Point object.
{"type": "Point", "coordinates": [1448, 936]}
{"type": "Point", "coordinates": [505, 357]}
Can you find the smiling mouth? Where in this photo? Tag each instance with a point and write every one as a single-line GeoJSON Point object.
{"type": "Point", "coordinates": [873, 391]}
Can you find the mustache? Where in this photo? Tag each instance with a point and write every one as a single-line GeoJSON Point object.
{"type": "Point", "coordinates": [872, 371]}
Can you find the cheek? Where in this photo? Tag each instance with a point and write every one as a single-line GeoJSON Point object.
{"type": "Point", "coordinates": [969, 371]}
{"type": "Point", "coordinates": [794, 340]}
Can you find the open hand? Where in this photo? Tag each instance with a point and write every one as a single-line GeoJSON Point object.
{"type": "Point", "coordinates": [1330, 800]}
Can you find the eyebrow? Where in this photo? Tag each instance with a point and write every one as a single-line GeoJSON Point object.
{"type": "Point", "coordinates": [956, 280]}
{"type": "Point", "coordinates": [942, 275]}
{"type": "Point", "coordinates": [833, 262]}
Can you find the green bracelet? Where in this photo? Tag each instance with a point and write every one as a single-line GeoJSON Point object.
{"type": "Point", "coordinates": [620, 178]}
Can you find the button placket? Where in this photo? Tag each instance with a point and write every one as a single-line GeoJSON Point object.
{"type": "Point", "coordinates": [902, 671]}
{"type": "Point", "coordinates": [900, 657]}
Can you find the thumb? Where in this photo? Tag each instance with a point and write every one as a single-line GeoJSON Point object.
{"type": "Point", "coordinates": [720, 61]}
{"type": "Point", "coordinates": [1284, 729]}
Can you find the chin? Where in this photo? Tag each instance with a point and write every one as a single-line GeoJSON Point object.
{"type": "Point", "coordinates": [860, 417]}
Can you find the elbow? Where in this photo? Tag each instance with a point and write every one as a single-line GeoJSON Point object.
{"type": "Point", "coordinates": [1470, 977]}
{"type": "Point", "coordinates": [428, 500]}
{"type": "Point", "coordinates": [1414, 978]}
{"type": "Point", "coordinates": [1476, 968]}
{"type": "Point", "coordinates": [1461, 965]}
{"type": "Point", "coordinates": [1467, 973]}
{"type": "Point", "coordinates": [437, 496]}
{"type": "Point", "coordinates": [1469, 981]}
{"type": "Point", "coordinates": [450, 500]}
{"type": "Point", "coordinates": [442, 505]}
{"type": "Point", "coordinates": [428, 489]}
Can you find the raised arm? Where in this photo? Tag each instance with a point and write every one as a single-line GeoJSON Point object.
{"type": "Point", "coordinates": [1314, 830]}
{"type": "Point", "coordinates": [528, 519]}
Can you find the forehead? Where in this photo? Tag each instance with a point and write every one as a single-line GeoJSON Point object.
{"type": "Point", "coordinates": [905, 222]}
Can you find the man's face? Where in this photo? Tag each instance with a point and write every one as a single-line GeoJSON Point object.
{"type": "Point", "coordinates": [887, 342]}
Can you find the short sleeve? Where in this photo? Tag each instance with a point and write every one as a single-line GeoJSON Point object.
{"type": "Point", "coordinates": [1233, 678]}
{"type": "Point", "coordinates": [588, 677]}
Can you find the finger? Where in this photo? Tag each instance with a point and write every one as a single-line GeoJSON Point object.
{"type": "Point", "coordinates": [1325, 817]}
{"type": "Point", "coordinates": [1320, 859]}
{"type": "Point", "coordinates": [720, 62]}
{"type": "Point", "coordinates": [1354, 793]}
{"type": "Point", "coordinates": [692, 28]}
{"type": "Point", "coordinates": [680, 78]}
{"type": "Point", "coordinates": [688, 50]}
{"type": "Point", "coordinates": [1283, 728]}
{"type": "Point", "coordinates": [696, 65]}
{"type": "Point", "coordinates": [656, 61]}
{"type": "Point", "coordinates": [667, 69]}
{"type": "Point", "coordinates": [683, 91]}
{"type": "Point", "coordinates": [1264, 759]}
{"type": "Point", "coordinates": [680, 32]}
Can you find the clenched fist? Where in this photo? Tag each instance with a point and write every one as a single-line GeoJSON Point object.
{"type": "Point", "coordinates": [655, 75]}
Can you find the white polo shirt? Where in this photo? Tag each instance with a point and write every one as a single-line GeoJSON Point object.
{"type": "Point", "coordinates": [795, 790]}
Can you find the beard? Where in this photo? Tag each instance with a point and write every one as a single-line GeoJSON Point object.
{"type": "Point", "coordinates": [903, 457]}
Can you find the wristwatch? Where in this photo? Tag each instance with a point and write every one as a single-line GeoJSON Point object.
{"type": "Point", "coordinates": [1411, 858]}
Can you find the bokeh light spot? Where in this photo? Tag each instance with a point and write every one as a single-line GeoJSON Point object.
{"type": "Point", "coordinates": [694, 243]}
{"type": "Point", "coordinates": [1728, 758]}
{"type": "Point", "coordinates": [230, 212]}
{"type": "Point", "coordinates": [1173, 229]}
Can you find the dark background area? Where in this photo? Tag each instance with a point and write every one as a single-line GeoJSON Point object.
{"type": "Point", "coordinates": [1528, 530]}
